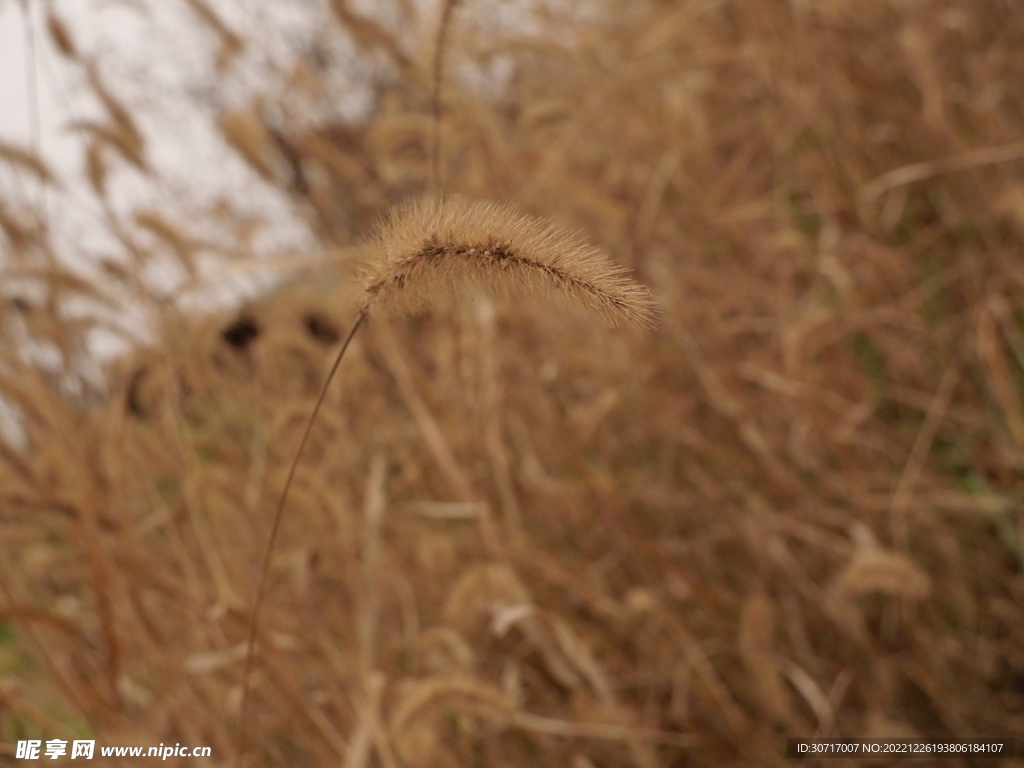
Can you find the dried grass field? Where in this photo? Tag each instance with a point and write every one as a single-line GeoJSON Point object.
{"type": "Point", "coordinates": [518, 537]}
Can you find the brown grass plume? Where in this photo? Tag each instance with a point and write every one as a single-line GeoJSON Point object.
{"type": "Point", "coordinates": [443, 248]}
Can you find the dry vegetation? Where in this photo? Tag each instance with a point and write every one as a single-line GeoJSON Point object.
{"type": "Point", "coordinates": [794, 508]}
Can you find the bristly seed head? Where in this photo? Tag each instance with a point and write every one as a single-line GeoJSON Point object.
{"type": "Point", "coordinates": [478, 246]}
{"type": "Point", "coordinates": [471, 246]}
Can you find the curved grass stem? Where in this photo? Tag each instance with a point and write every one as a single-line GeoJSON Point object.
{"type": "Point", "coordinates": [254, 616]}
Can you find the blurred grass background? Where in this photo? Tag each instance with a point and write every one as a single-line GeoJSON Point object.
{"type": "Point", "coordinates": [794, 509]}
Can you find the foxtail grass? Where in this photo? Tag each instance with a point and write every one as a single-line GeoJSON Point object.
{"type": "Point", "coordinates": [442, 249]}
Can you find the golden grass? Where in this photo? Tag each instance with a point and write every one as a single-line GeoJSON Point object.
{"type": "Point", "coordinates": [793, 508]}
{"type": "Point", "coordinates": [436, 251]}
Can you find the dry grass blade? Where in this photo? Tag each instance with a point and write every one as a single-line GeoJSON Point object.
{"type": "Point", "coordinates": [444, 22]}
{"type": "Point", "coordinates": [908, 174]}
{"type": "Point", "coordinates": [756, 631]}
{"type": "Point", "coordinates": [432, 433]}
{"type": "Point", "coordinates": [369, 34]}
{"type": "Point", "coordinates": [375, 504]}
{"type": "Point", "coordinates": [439, 249]}
{"type": "Point", "coordinates": [915, 461]}
{"type": "Point", "coordinates": [550, 726]}
{"type": "Point", "coordinates": [1000, 375]}
{"type": "Point", "coordinates": [125, 142]}
{"type": "Point", "coordinates": [873, 570]}
{"type": "Point", "coordinates": [26, 160]}
{"type": "Point", "coordinates": [358, 753]}
{"type": "Point", "coordinates": [120, 114]}
{"type": "Point", "coordinates": [60, 36]}
{"type": "Point", "coordinates": [96, 167]}
{"type": "Point", "coordinates": [246, 133]}
{"type": "Point", "coordinates": [231, 43]}
{"type": "Point", "coordinates": [180, 242]}
{"type": "Point", "coordinates": [19, 233]}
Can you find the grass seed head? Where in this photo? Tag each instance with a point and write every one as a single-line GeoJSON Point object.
{"type": "Point", "coordinates": [439, 249]}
